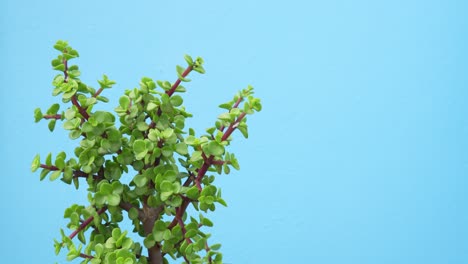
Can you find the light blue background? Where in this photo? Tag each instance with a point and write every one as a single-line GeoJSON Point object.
{"type": "Point", "coordinates": [359, 155]}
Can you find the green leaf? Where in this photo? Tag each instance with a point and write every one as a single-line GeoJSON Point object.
{"type": "Point", "coordinates": [206, 222]}
{"type": "Point", "coordinates": [55, 175]}
{"type": "Point", "coordinates": [176, 100]}
{"type": "Point", "coordinates": [199, 69]}
{"type": "Point", "coordinates": [70, 113]}
{"type": "Point", "coordinates": [36, 163]}
{"type": "Point", "coordinates": [105, 188]}
{"type": "Point", "coordinates": [234, 162]}
{"type": "Point", "coordinates": [149, 241]}
{"type": "Point", "coordinates": [213, 148]}
{"type": "Point", "coordinates": [196, 156]}
{"type": "Point", "coordinates": [74, 134]}
{"type": "Point", "coordinates": [244, 131]}
{"type": "Point", "coordinates": [170, 175]}
{"type": "Point", "coordinates": [190, 140]}
{"type": "Point", "coordinates": [165, 85]}
{"type": "Point", "coordinates": [167, 133]}
{"type": "Point", "coordinates": [215, 246]}
{"type": "Point", "coordinates": [133, 213]}
{"type": "Point", "coordinates": [225, 117]}
{"type": "Point", "coordinates": [124, 102]}
{"type": "Point", "coordinates": [160, 225]}
{"type": "Point", "coordinates": [53, 109]}
{"type": "Point", "coordinates": [140, 180]}
{"type": "Point", "coordinates": [221, 201]}
{"type": "Point", "coordinates": [193, 193]}
{"type": "Point", "coordinates": [181, 148]}
{"type": "Point", "coordinates": [44, 173]}
{"type": "Point", "coordinates": [151, 106]}
{"type": "Point", "coordinates": [188, 59]}
{"type": "Point", "coordinates": [207, 199]}
{"type": "Point", "coordinates": [60, 163]}
{"type": "Point", "coordinates": [139, 148]}
{"type": "Point", "coordinates": [52, 125]}
{"type": "Point", "coordinates": [166, 186]}
{"type": "Point", "coordinates": [227, 106]}
{"type": "Point", "coordinates": [142, 126]}
{"type": "Point", "coordinates": [48, 160]}
{"type": "Point", "coordinates": [191, 233]}
{"type": "Point", "coordinates": [60, 67]}
{"type": "Point", "coordinates": [37, 115]}
{"type": "Point", "coordinates": [180, 69]}
{"type": "Point", "coordinates": [113, 199]}
{"type": "Point", "coordinates": [71, 124]}
{"type": "Point", "coordinates": [167, 151]}
{"type": "Point", "coordinates": [103, 99]}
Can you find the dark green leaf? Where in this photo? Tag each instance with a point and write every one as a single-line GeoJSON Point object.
{"type": "Point", "coordinates": [37, 115]}
{"type": "Point", "coordinates": [133, 213]}
{"type": "Point", "coordinates": [206, 222]}
{"type": "Point", "coordinates": [215, 246]}
{"type": "Point", "coordinates": [44, 173]}
{"type": "Point", "coordinates": [193, 193]}
{"type": "Point", "coordinates": [176, 100]}
{"type": "Point", "coordinates": [52, 125]}
{"type": "Point", "coordinates": [244, 131]}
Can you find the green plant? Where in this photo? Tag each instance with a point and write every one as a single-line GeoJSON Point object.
{"type": "Point", "coordinates": [144, 164]}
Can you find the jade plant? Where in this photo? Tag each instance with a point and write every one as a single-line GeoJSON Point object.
{"type": "Point", "coordinates": [142, 163]}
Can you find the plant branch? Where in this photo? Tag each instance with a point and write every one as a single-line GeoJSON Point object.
{"type": "Point", "coordinates": [178, 216]}
{"type": "Point", "coordinates": [204, 168]}
{"type": "Point", "coordinates": [177, 83]}
{"type": "Point", "coordinates": [127, 206]}
{"type": "Point", "coordinates": [233, 126]}
{"type": "Point", "coordinates": [218, 162]}
{"type": "Point", "coordinates": [98, 92]}
{"type": "Point", "coordinates": [86, 223]}
{"type": "Point", "coordinates": [76, 173]}
{"type": "Point", "coordinates": [86, 256]}
{"type": "Point", "coordinates": [65, 72]}
{"type": "Point", "coordinates": [82, 111]}
{"type": "Point", "coordinates": [236, 105]}
{"type": "Point", "coordinates": [49, 167]}
{"type": "Point", "coordinates": [56, 117]}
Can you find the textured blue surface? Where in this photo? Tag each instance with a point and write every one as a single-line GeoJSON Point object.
{"type": "Point", "coordinates": [359, 155]}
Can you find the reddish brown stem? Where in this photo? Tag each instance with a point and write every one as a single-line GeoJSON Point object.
{"type": "Point", "coordinates": [76, 173]}
{"type": "Point", "coordinates": [236, 104]}
{"type": "Point", "coordinates": [176, 84]}
{"type": "Point", "coordinates": [86, 256]}
{"type": "Point", "coordinates": [232, 127]}
{"type": "Point", "coordinates": [56, 117]}
{"type": "Point", "coordinates": [98, 92]}
{"type": "Point", "coordinates": [82, 111]}
{"type": "Point", "coordinates": [47, 167]}
{"type": "Point", "coordinates": [65, 72]}
{"type": "Point", "coordinates": [218, 162]}
{"type": "Point", "coordinates": [86, 223]}
{"type": "Point", "coordinates": [182, 225]}
{"type": "Point", "coordinates": [207, 248]}
{"type": "Point", "coordinates": [204, 168]}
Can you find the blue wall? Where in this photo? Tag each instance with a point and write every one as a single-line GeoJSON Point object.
{"type": "Point", "coordinates": [359, 155]}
